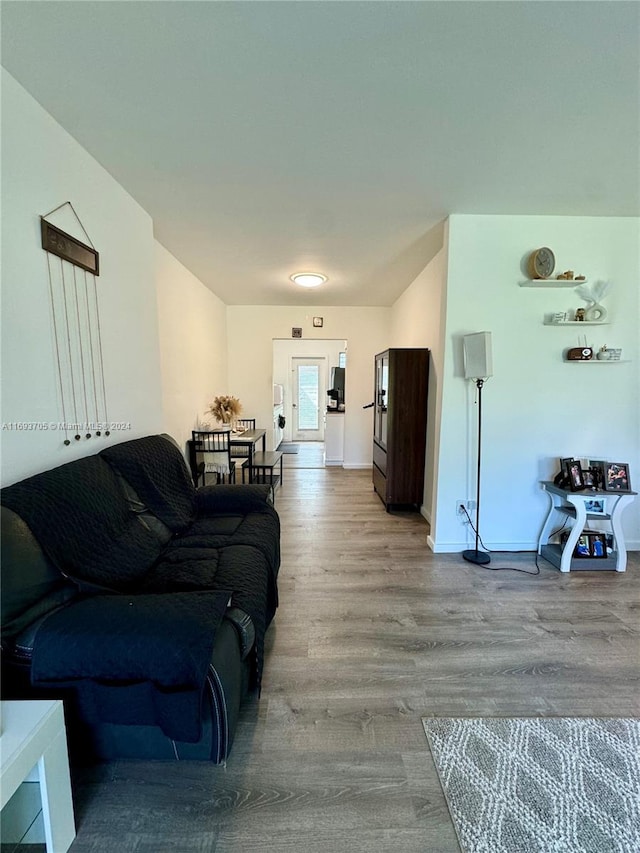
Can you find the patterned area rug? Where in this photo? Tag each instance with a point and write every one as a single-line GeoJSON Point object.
{"type": "Point", "coordinates": [288, 447]}
{"type": "Point", "coordinates": [544, 785]}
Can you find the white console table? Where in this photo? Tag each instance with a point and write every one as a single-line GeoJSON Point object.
{"type": "Point", "coordinates": [33, 736]}
{"type": "Point", "coordinates": [564, 503]}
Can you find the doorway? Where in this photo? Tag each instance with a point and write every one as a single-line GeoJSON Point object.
{"type": "Point", "coordinates": [308, 398]}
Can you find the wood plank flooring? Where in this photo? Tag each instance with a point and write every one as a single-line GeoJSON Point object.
{"type": "Point", "coordinates": [373, 632]}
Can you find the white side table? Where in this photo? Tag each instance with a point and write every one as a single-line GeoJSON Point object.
{"type": "Point", "coordinates": [574, 505]}
{"type": "Point", "coordinates": [33, 734]}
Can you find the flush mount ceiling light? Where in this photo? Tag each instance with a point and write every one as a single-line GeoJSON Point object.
{"type": "Point", "coordinates": [308, 279]}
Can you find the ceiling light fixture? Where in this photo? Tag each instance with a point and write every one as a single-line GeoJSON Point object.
{"type": "Point", "coordinates": [308, 279]}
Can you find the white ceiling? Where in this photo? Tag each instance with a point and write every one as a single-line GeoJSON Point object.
{"type": "Point", "coordinates": [270, 137]}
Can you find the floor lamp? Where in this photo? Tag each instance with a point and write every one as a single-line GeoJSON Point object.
{"type": "Point", "coordinates": [479, 367]}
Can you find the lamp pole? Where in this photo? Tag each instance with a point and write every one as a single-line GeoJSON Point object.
{"type": "Point", "coordinates": [480, 558]}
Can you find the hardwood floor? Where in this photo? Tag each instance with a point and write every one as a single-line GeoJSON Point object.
{"type": "Point", "coordinates": [310, 455]}
{"type": "Point", "coordinates": [373, 632]}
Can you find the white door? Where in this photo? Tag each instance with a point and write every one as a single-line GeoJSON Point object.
{"type": "Point", "coordinates": [309, 398]}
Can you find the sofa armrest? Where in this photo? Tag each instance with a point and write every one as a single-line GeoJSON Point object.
{"type": "Point", "coordinates": [232, 499]}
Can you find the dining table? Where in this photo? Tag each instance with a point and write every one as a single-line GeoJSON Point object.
{"type": "Point", "coordinates": [249, 438]}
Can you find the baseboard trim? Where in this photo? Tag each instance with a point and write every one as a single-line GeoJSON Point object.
{"type": "Point", "coordinates": [357, 466]}
{"type": "Point", "coordinates": [453, 547]}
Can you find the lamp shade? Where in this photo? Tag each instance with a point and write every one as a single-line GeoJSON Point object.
{"type": "Point", "coordinates": [478, 359]}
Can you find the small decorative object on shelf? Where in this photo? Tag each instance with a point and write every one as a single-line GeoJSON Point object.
{"type": "Point", "coordinates": [584, 353]}
{"type": "Point", "coordinates": [592, 295]}
{"type": "Point", "coordinates": [579, 318]}
{"type": "Point", "coordinates": [541, 263]}
{"type": "Point", "coordinates": [569, 275]}
{"type": "Point", "coordinates": [607, 354]}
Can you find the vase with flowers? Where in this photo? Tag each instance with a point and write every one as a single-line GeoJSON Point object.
{"type": "Point", "coordinates": [225, 409]}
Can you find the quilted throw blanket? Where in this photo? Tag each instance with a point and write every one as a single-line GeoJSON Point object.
{"type": "Point", "coordinates": [163, 642]}
{"type": "Point", "coordinates": [80, 516]}
{"type": "Point", "coordinates": [157, 471]}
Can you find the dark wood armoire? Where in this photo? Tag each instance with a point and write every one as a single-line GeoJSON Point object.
{"type": "Point", "coordinates": [400, 426]}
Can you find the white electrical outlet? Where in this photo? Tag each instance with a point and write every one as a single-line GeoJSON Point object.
{"type": "Point", "coordinates": [470, 507]}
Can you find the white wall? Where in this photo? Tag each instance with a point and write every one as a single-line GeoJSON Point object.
{"type": "Point", "coordinates": [42, 167]}
{"type": "Point", "coordinates": [536, 408]}
{"type": "Point", "coordinates": [251, 331]}
{"type": "Point", "coordinates": [193, 346]}
{"type": "Point", "coordinates": [417, 320]}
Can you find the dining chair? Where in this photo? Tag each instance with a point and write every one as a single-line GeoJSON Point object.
{"type": "Point", "coordinates": [212, 449]}
{"type": "Point", "coordinates": [243, 452]}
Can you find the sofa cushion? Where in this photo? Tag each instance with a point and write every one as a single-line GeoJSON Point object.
{"type": "Point", "coordinates": [80, 516]}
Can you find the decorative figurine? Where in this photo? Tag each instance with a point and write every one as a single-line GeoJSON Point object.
{"type": "Point", "coordinates": [595, 313]}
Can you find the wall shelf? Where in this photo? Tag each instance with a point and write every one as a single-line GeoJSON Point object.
{"type": "Point", "coordinates": [577, 323]}
{"type": "Point", "coordinates": [553, 282]}
{"type": "Point", "coordinates": [598, 361]}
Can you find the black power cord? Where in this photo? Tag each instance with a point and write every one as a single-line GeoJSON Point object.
{"type": "Point", "coordinates": [491, 568]}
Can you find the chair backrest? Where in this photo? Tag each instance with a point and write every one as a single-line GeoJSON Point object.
{"type": "Point", "coordinates": [245, 424]}
{"type": "Point", "coordinates": [212, 454]}
{"type": "Point", "coordinates": [211, 441]}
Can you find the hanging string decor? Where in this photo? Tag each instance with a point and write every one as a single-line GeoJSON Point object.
{"type": "Point", "coordinates": [73, 268]}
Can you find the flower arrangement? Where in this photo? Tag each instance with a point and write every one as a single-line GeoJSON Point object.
{"type": "Point", "coordinates": [225, 408]}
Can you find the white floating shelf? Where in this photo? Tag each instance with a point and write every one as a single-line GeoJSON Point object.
{"type": "Point", "coordinates": [597, 361]}
{"type": "Point", "coordinates": [553, 282]}
{"type": "Point", "coordinates": [577, 323]}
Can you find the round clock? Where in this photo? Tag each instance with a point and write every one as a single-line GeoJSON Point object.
{"type": "Point", "coordinates": [541, 263]}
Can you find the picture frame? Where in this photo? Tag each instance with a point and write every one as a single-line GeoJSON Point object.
{"type": "Point", "coordinates": [573, 469]}
{"type": "Point", "coordinates": [590, 545]}
{"type": "Point", "coordinates": [318, 322]}
{"type": "Point", "coordinates": [616, 477]}
{"type": "Point", "coordinates": [596, 506]}
{"type": "Point", "coordinates": [597, 545]}
{"type": "Point", "coordinates": [597, 466]}
{"type": "Point", "coordinates": [583, 547]}
{"type": "Point", "coordinates": [296, 332]}
{"type": "Point", "coordinates": [562, 477]}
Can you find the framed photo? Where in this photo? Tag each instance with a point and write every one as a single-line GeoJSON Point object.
{"type": "Point", "coordinates": [597, 545]}
{"type": "Point", "coordinates": [597, 467]}
{"type": "Point", "coordinates": [616, 477]}
{"type": "Point", "coordinates": [583, 547]}
{"type": "Point", "coordinates": [318, 322]}
{"type": "Point", "coordinates": [296, 332]}
{"type": "Point", "coordinates": [573, 469]}
{"type": "Point", "coordinates": [562, 477]}
{"type": "Point", "coordinates": [595, 506]}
